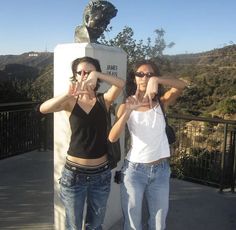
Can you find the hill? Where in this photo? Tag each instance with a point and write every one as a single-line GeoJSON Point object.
{"type": "Point", "coordinates": [39, 60]}
{"type": "Point", "coordinates": [211, 74]}
{"type": "Point", "coordinates": [212, 77]}
{"type": "Point", "coordinates": [224, 56]}
{"type": "Point", "coordinates": [18, 74]}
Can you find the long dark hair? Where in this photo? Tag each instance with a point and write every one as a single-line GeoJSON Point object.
{"type": "Point", "coordinates": [130, 81]}
{"type": "Point", "coordinates": [86, 59]}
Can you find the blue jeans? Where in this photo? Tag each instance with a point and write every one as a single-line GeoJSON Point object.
{"type": "Point", "coordinates": [75, 188]}
{"type": "Point", "coordinates": [151, 181]}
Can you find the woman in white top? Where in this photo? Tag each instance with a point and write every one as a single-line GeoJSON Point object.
{"type": "Point", "coordinates": [146, 170]}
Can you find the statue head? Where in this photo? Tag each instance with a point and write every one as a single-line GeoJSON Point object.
{"type": "Point", "coordinates": [97, 16]}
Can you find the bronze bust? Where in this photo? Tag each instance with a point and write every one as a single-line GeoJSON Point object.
{"type": "Point", "coordinates": [96, 17]}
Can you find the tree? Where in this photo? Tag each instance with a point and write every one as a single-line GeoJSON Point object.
{"type": "Point", "coordinates": [227, 106]}
{"type": "Point", "coordinates": [137, 50]}
{"type": "Point", "coordinates": [42, 88]}
{"type": "Point", "coordinates": [156, 50]}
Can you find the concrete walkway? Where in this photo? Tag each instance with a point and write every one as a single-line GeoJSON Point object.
{"type": "Point", "coordinates": [26, 199]}
{"type": "Point", "coordinates": [26, 192]}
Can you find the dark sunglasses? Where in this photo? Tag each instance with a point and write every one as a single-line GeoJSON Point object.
{"type": "Point", "coordinates": [141, 74]}
{"type": "Point", "coordinates": [85, 72]}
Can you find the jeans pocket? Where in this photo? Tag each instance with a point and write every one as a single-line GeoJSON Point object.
{"type": "Point", "coordinates": [67, 179]}
{"type": "Point", "coordinates": [165, 170]}
{"type": "Point", "coordinates": [105, 178]}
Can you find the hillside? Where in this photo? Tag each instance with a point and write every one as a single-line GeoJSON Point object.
{"type": "Point", "coordinates": [211, 74]}
{"type": "Point", "coordinates": [212, 77]}
{"type": "Point", "coordinates": [224, 56]}
{"type": "Point", "coordinates": [20, 73]}
{"type": "Point", "coordinates": [33, 59]}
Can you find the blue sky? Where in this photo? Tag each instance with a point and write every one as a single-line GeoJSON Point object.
{"type": "Point", "coordinates": [193, 25]}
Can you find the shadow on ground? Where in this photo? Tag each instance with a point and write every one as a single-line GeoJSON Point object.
{"type": "Point", "coordinates": [26, 199]}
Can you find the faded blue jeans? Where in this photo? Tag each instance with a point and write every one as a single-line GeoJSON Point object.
{"type": "Point", "coordinates": [75, 188]}
{"type": "Point", "coordinates": [151, 181]}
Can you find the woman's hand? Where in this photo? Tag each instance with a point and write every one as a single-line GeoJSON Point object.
{"type": "Point", "coordinates": [89, 81]}
{"type": "Point", "coordinates": [151, 90]}
{"type": "Point", "coordinates": [75, 89]}
{"type": "Point", "coordinates": [84, 85]}
{"type": "Point", "coordinates": [134, 102]}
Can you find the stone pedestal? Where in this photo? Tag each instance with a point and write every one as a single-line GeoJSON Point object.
{"type": "Point", "coordinates": [113, 60]}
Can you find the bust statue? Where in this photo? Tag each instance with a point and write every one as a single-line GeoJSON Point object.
{"type": "Point", "coordinates": [96, 17]}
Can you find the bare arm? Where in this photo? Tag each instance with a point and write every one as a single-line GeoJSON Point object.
{"type": "Point", "coordinates": [119, 126]}
{"type": "Point", "coordinates": [171, 95]}
{"type": "Point", "coordinates": [177, 87]}
{"type": "Point", "coordinates": [61, 102]}
{"type": "Point", "coordinates": [55, 104]}
{"type": "Point", "coordinates": [173, 82]}
{"type": "Point", "coordinates": [123, 115]}
{"type": "Point", "coordinates": [114, 91]}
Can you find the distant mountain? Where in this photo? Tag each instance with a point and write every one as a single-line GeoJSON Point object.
{"type": "Point", "coordinates": [212, 81]}
{"type": "Point", "coordinates": [223, 56]}
{"type": "Point", "coordinates": [19, 72]}
{"type": "Point", "coordinates": [25, 66]}
{"type": "Point", "coordinates": [211, 76]}
{"type": "Point", "coordinates": [40, 60]}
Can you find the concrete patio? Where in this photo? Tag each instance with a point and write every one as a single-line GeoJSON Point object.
{"type": "Point", "coordinates": [26, 199]}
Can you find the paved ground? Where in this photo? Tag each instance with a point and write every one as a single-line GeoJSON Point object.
{"type": "Point", "coordinates": [197, 207]}
{"type": "Point", "coordinates": [26, 192]}
{"type": "Point", "coordinates": [26, 199]}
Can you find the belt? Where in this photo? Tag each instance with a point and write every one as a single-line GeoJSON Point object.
{"type": "Point", "coordinates": [84, 170]}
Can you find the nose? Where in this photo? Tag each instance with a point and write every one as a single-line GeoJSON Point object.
{"type": "Point", "coordinates": [145, 77]}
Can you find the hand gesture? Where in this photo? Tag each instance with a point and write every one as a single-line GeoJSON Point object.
{"type": "Point", "coordinates": [88, 82]}
{"type": "Point", "coordinates": [83, 85]}
{"type": "Point", "coordinates": [75, 89]}
{"type": "Point", "coordinates": [134, 102]}
{"type": "Point", "coordinates": [151, 90]}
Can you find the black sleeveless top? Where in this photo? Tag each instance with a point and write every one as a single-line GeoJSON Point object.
{"type": "Point", "coordinates": [89, 132]}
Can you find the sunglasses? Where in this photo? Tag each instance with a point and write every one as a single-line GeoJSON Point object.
{"type": "Point", "coordinates": [141, 74]}
{"type": "Point", "coordinates": [84, 72]}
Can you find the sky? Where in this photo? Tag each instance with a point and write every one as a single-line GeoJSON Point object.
{"type": "Point", "coordinates": [193, 25]}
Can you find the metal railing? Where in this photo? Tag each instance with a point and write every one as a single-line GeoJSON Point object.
{"type": "Point", "coordinates": [23, 128]}
{"type": "Point", "coordinates": [205, 150]}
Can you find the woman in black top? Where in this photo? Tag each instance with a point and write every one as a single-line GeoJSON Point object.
{"type": "Point", "coordinates": [86, 175]}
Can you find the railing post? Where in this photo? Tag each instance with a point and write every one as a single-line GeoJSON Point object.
{"type": "Point", "coordinates": [42, 133]}
{"type": "Point", "coordinates": [234, 162]}
{"type": "Point", "coordinates": [222, 166]}
{"type": "Point", "coordinates": [46, 132]}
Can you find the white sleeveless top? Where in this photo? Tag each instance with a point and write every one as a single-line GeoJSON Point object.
{"type": "Point", "coordinates": [148, 137]}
